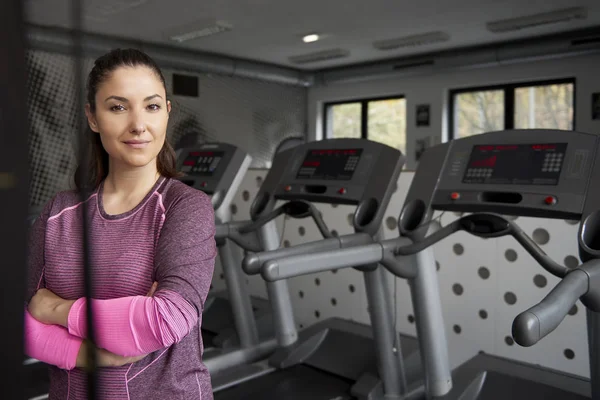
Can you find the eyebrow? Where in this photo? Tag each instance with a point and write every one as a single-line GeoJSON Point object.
{"type": "Point", "coordinates": [124, 100]}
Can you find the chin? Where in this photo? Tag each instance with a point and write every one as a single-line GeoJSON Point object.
{"type": "Point", "coordinates": [138, 161]}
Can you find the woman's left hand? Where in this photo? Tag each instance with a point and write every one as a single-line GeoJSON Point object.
{"type": "Point", "coordinates": [49, 308]}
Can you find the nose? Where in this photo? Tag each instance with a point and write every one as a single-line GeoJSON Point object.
{"type": "Point", "coordinates": [137, 124]}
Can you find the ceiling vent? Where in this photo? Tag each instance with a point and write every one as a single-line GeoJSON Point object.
{"type": "Point", "coordinates": [423, 39]}
{"type": "Point", "coordinates": [531, 21]}
{"type": "Point", "coordinates": [100, 10]}
{"type": "Point", "coordinates": [324, 55]}
{"type": "Point", "coordinates": [198, 29]}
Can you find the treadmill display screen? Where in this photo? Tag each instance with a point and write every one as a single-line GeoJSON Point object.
{"type": "Point", "coordinates": [330, 164]}
{"type": "Point", "coordinates": [519, 164]}
{"type": "Point", "coordinates": [202, 163]}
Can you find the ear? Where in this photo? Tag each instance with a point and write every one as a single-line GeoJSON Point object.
{"type": "Point", "coordinates": [168, 106]}
{"type": "Point", "coordinates": [91, 118]}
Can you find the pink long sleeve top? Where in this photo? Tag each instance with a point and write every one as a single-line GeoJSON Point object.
{"type": "Point", "coordinates": [169, 238]}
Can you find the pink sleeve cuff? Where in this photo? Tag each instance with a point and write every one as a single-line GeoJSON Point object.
{"type": "Point", "coordinates": [51, 344]}
{"type": "Point", "coordinates": [76, 318]}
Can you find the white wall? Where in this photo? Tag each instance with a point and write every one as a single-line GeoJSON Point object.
{"type": "Point", "coordinates": [434, 90]}
{"type": "Point", "coordinates": [462, 261]}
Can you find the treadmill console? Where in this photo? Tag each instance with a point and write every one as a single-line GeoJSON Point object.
{"type": "Point", "coordinates": [535, 172]}
{"type": "Point", "coordinates": [201, 163]}
{"type": "Point", "coordinates": [215, 168]}
{"type": "Point", "coordinates": [333, 164]}
{"type": "Point", "coordinates": [336, 171]}
{"type": "Point", "coordinates": [515, 164]}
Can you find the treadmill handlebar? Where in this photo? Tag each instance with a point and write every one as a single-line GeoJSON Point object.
{"type": "Point", "coordinates": [581, 283]}
{"type": "Point", "coordinates": [487, 225]}
{"type": "Point", "coordinates": [404, 249]}
{"type": "Point", "coordinates": [532, 325]}
{"type": "Point", "coordinates": [245, 233]}
{"type": "Point", "coordinates": [538, 254]}
{"type": "Point", "coordinates": [304, 264]}
{"type": "Point", "coordinates": [254, 263]}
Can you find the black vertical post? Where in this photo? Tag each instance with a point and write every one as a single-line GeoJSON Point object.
{"type": "Point", "coordinates": [78, 54]}
{"type": "Point", "coordinates": [364, 119]}
{"type": "Point", "coordinates": [509, 108]}
{"type": "Point", "coordinates": [14, 195]}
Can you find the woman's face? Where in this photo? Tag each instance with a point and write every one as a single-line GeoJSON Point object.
{"type": "Point", "coordinates": [131, 116]}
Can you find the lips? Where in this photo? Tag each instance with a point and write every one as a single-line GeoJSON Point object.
{"type": "Point", "coordinates": [137, 144]}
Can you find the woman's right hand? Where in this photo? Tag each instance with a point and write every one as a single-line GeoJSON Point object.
{"type": "Point", "coordinates": [107, 359]}
{"type": "Point", "coordinates": [104, 358]}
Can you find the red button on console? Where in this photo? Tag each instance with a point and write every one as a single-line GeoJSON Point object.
{"type": "Point", "coordinates": [550, 200]}
{"type": "Point", "coordinates": [455, 196]}
{"type": "Point", "coordinates": [203, 184]}
{"type": "Point", "coordinates": [287, 188]}
{"type": "Point", "coordinates": [342, 191]}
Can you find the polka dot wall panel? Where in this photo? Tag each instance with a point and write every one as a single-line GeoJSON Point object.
{"type": "Point", "coordinates": [484, 283]}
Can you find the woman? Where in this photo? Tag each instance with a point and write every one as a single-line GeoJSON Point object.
{"type": "Point", "coordinates": [146, 227]}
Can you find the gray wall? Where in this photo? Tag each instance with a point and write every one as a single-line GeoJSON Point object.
{"type": "Point", "coordinates": [252, 114]}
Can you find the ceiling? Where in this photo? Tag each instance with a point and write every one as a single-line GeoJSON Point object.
{"type": "Point", "coordinates": [271, 30]}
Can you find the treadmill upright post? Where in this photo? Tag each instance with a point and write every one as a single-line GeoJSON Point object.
{"type": "Point", "coordinates": [237, 293]}
{"type": "Point", "coordinates": [387, 343]}
{"type": "Point", "coordinates": [279, 294]}
{"type": "Point", "coordinates": [430, 324]}
{"type": "Point", "coordinates": [386, 340]}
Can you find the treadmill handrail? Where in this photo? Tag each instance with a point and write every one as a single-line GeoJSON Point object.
{"type": "Point", "coordinates": [532, 325]}
{"type": "Point", "coordinates": [253, 263]}
{"type": "Point", "coordinates": [305, 264]}
{"type": "Point", "coordinates": [536, 252]}
{"type": "Point", "coordinates": [349, 252]}
{"type": "Point", "coordinates": [245, 233]}
{"type": "Point", "coordinates": [483, 225]}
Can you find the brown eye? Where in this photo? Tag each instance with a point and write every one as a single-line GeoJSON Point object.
{"type": "Point", "coordinates": [117, 108]}
{"type": "Point", "coordinates": [154, 107]}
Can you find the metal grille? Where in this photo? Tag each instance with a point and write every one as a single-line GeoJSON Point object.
{"type": "Point", "coordinates": [254, 115]}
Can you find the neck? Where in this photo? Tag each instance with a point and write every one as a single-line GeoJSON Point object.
{"type": "Point", "coordinates": [131, 181]}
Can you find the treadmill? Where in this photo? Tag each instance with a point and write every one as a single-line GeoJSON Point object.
{"type": "Point", "coordinates": [227, 312]}
{"type": "Point", "coordinates": [231, 319]}
{"type": "Point", "coordinates": [533, 173]}
{"type": "Point", "coordinates": [335, 358]}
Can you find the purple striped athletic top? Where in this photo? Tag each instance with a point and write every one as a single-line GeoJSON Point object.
{"type": "Point", "coordinates": [168, 238]}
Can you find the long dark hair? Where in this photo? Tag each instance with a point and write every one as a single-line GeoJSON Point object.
{"type": "Point", "coordinates": [97, 156]}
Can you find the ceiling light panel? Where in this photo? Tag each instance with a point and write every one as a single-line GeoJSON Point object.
{"type": "Point", "coordinates": [320, 56]}
{"type": "Point", "coordinates": [198, 29]}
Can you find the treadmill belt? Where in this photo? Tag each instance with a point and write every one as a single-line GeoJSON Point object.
{"type": "Point", "coordinates": [295, 383]}
{"type": "Point", "coordinates": [499, 386]}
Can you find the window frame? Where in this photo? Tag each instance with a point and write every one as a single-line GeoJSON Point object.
{"type": "Point", "coordinates": [509, 99]}
{"type": "Point", "coordinates": [364, 114]}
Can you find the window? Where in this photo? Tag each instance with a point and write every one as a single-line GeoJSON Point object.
{"type": "Point", "coordinates": [345, 121]}
{"type": "Point", "coordinates": [548, 105]}
{"type": "Point", "coordinates": [380, 120]}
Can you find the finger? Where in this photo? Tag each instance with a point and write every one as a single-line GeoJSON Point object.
{"type": "Point", "coordinates": [137, 358]}
{"type": "Point", "coordinates": [152, 289]}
